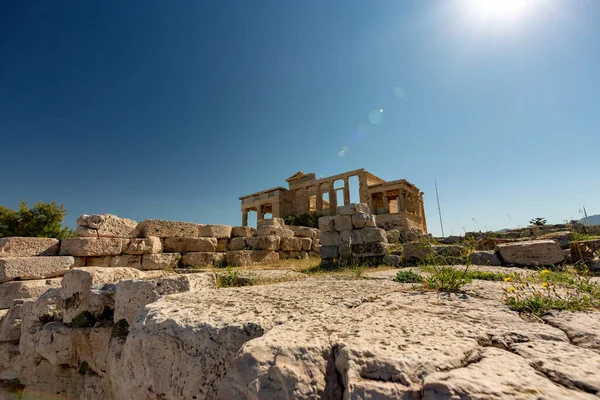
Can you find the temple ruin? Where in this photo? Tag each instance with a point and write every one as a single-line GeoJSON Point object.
{"type": "Point", "coordinates": [398, 203]}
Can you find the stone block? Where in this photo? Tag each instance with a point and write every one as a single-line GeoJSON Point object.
{"type": "Point", "coordinates": [222, 245]}
{"type": "Point", "coordinates": [363, 220]}
{"type": "Point", "coordinates": [133, 295]}
{"type": "Point", "coordinates": [372, 235]}
{"type": "Point", "coordinates": [274, 231]}
{"type": "Point", "coordinates": [291, 244]}
{"type": "Point", "coordinates": [89, 247]}
{"type": "Point", "coordinates": [250, 257]}
{"type": "Point", "coordinates": [343, 223]}
{"type": "Point", "coordinates": [162, 229]}
{"type": "Point", "coordinates": [277, 222]}
{"type": "Point", "coordinates": [484, 257]}
{"type": "Point", "coordinates": [417, 252]}
{"type": "Point", "coordinates": [392, 260]}
{"type": "Point", "coordinates": [352, 237]}
{"type": "Point", "coordinates": [327, 224]}
{"type": "Point", "coordinates": [453, 250]}
{"type": "Point", "coordinates": [150, 245]}
{"type": "Point", "coordinates": [345, 250]}
{"type": "Point", "coordinates": [236, 243]}
{"type": "Point", "coordinates": [84, 231]}
{"type": "Point", "coordinates": [393, 236]}
{"type": "Point", "coordinates": [127, 261]}
{"type": "Point", "coordinates": [217, 231]}
{"type": "Point", "coordinates": [329, 252]}
{"type": "Point", "coordinates": [108, 225]}
{"type": "Point", "coordinates": [373, 249]}
{"type": "Point", "coordinates": [243, 231]}
{"type": "Point", "coordinates": [353, 208]}
{"type": "Point", "coordinates": [25, 290]}
{"type": "Point", "coordinates": [187, 244]}
{"type": "Point", "coordinates": [316, 244]}
{"type": "Point", "coordinates": [294, 255]}
{"type": "Point", "coordinates": [284, 255]}
{"type": "Point", "coordinates": [160, 261]}
{"type": "Point", "coordinates": [10, 324]}
{"type": "Point", "coordinates": [25, 268]}
{"type": "Point", "coordinates": [394, 221]}
{"type": "Point", "coordinates": [531, 253]}
{"type": "Point", "coordinates": [330, 239]}
{"type": "Point", "coordinates": [304, 255]}
{"type": "Point", "coordinates": [103, 261]}
{"type": "Point", "coordinates": [268, 242]}
{"type": "Point", "coordinates": [28, 247]}
{"type": "Point", "coordinates": [305, 232]}
{"type": "Point", "coordinates": [202, 259]}
{"type": "Point", "coordinates": [306, 243]}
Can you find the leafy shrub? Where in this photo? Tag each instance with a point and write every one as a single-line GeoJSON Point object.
{"type": "Point", "coordinates": [408, 277]}
{"type": "Point", "coordinates": [231, 279]}
{"type": "Point", "coordinates": [84, 320]}
{"type": "Point", "coordinates": [310, 220]}
{"type": "Point", "coordinates": [445, 279]}
{"type": "Point", "coordinates": [42, 220]}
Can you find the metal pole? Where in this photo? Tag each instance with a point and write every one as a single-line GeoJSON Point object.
{"type": "Point", "coordinates": [439, 208]}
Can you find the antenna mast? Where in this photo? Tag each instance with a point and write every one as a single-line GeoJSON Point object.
{"type": "Point", "coordinates": [439, 208]}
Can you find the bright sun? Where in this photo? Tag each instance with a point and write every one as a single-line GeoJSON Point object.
{"type": "Point", "coordinates": [500, 10]}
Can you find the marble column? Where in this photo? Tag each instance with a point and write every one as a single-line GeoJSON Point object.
{"type": "Point", "coordinates": [244, 217]}
{"type": "Point", "coordinates": [346, 191]}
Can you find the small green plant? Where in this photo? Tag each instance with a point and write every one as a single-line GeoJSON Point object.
{"type": "Point", "coordinates": [84, 320]}
{"type": "Point", "coordinates": [493, 276]}
{"type": "Point", "coordinates": [231, 279]}
{"type": "Point", "coordinates": [120, 328]}
{"type": "Point", "coordinates": [408, 277]}
{"type": "Point", "coordinates": [539, 221]}
{"type": "Point", "coordinates": [446, 279]}
{"type": "Point", "coordinates": [580, 236]}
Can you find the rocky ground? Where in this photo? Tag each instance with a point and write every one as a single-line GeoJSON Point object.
{"type": "Point", "coordinates": [333, 336]}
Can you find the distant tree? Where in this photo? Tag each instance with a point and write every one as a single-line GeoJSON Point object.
{"type": "Point", "coordinates": [41, 220]}
{"type": "Point", "coordinates": [539, 221]}
{"type": "Point", "coordinates": [310, 220]}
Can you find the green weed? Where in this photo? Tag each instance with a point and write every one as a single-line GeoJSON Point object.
{"type": "Point", "coordinates": [408, 277]}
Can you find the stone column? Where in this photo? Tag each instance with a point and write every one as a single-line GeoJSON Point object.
{"type": "Point", "coordinates": [244, 217]}
{"type": "Point", "coordinates": [319, 198]}
{"type": "Point", "coordinates": [386, 204]}
{"type": "Point", "coordinates": [332, 199]}
{"type": "Point", "coordinates": [346, 191]}
{"type": "Point", "coordinates": [276, 209]}
{"type": "Point", "coordinates": [259, 213]}
{"type": "Point", "coordinates": [401, 202]}
{"type": "Point", "coordinates": [370, 203]}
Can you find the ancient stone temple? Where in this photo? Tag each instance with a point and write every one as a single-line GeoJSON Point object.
{"type": "Point", "coordinates": [397, 203]}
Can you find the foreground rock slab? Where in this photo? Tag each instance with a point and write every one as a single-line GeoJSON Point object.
{"type": "Point", "coordinates": [24, 268]}
{"type": "Point", "coordinates": [28, 247]}
{"type": "Point", "coordinates": [531, 253]}
{"type": "Point", "coordinates": [25, 290]}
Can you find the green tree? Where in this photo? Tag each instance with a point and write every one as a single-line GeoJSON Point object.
{"type": "Point", "coordinates": [41, 220]}
{"type": "Point", "coordinates": [539, 221]}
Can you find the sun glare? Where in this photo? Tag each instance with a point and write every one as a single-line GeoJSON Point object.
{"type": "Point", "coordinates": [501, 10]}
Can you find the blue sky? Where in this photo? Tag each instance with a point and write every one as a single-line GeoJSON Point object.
{"type": "Point", "coordinates": [174, 109]}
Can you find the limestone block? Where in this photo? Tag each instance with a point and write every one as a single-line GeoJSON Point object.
{"type": "Point", "coordinates": [10, 324]}
{"type": "Point", "coordinates": [306, 243]}
{"type": "Point", "coordinates": [53, 343]}
{"type": "Point", "coordinates": [80, 280]}
{"type": "Point", "coordinates": [250, 257]}
{"type": "Point", "coordinates": [128, 261]}
{"type": "Point", "coordinates": [10, 359]}
{"type": "Point", "coordinates": [305, 232]}
{"type": "Point", "coordinates": [160, 261]}
{"type": "Point", "coordinates": [561, 237]}
{"type": "Point", "coordinates": [108, 225]}
{"type": "Point", "coordinates": [294, 255]}
{"type": "Point", "coordinates": [96, 301]}
{"type": "Point", "coordinates": [103, 261]}
{"type": "Point", "coordinates": [28, 247]}
{"type": "Point", "coordinates": [352, 237]}
{"type": "Point", "coordinates": [291, 244]}
{"type": "Point", "coordinates": [150, 245]}
{"type": "Point", "coordinates": [329, 252]}
{"type": "Point", "coordinates": [284, 255]}
{"type": "Point", "coordinates": [84, 231]}
{"type": "Point", "coordinates": [222, 245]}
{"type": "Point", "coordinates": [133, 295]}
{"type": "Point", "coordinates": [187, 244]}
{"type": "Point", "coordinates": [89, 247]}
{"type": "Point", "coordinates": [327, 224]}
{"type": "Point", "coordinates": [79, 262]}
{"type": "Point", "coordinates": [217, 231]}
{"type": "Point", "coordinates": [394, 221]}
{"type": "Point", "coordinates": [343, 223]}
{"type": "Point", "coordinates": [251, 241]}
{"type": "Point", "coordinates": [344, 250]}
{"type": "Point", "coordinates": [24, 290]}
{"type": "Point", "coordinates": [330, 239]}
{"type": "Point", "coordinates": [243, 231]}
{"type": "Point", "coordinates": [373, 249]}
{"type": "Point", "coordinates": [485, 258]}
{"type": "Point", "coordinates": [531, 253]}
{"type": "Point", "coordinates": [453, 250]}
{"type": "Point", "coordinates": [25, 268]}
{"type": "Point", "coordinates": [202, 259]}
{"type": "Point", "coordinates": [274, 231]}
{"type": "Point", "coordinates": [371, 235]}
{"type": "Point", "coordinates": [267, 242]}
{"type": "Point", "coordinates": [236, 243]}
{"type": "Point", "coordinates": [353, 208]}
{"type": "Point", "coordinates": [91, 345]}
{"type": "Point", "coordinates": [363, 220]}
{"type": "Point", "coordinates": [277, 222]}
{"type": "Point", "coordinates": [393, 236]}
{"type": "Point", "coordinates": [162, 229]}
{"type": "Point", "coordinates": [392, 260]}
{"type": "Point", "coordinates": [316, 244]}
{"type": "Point", "coordinates": [417, 251]}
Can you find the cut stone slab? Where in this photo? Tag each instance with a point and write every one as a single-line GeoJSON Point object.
{"type": "Point", "coordinates": [202, 259]}
{"type": "Point", "coordinates": [329, 252]}
{"type": "Point", "coordinates": [127, 261]}
{"type": "Point", "coordinates": [343, 223]}
{"type": "Point", "coordinates": [393, 236]}
{"type": "Point", "coordinates": [417, 251]}
{"type": "Point", "coordinates": [25, 290]}
{"type": "Point", "coordinates": [327, 224]}
{"type": "Point", "coordinates": [243, 231]}
{"type": "Point", "coordinates": [270, 230]}
{"type": "Point", "coordinates": [187, 244]}
{"type": "Point", "coordinates": [28, 247]}
{"type": "Point", "coordinates": [363, 220]}
{"type": "Point", "coordinates": [133, 295]}
{"type": "Point", "coordinates": [352, 237]}
{"type": "Point", "coordinates": [25, 268]}
{"type": "Point", "coordinates": [103, 261]}
{"type": "Point", "coordinates": [291, 244]}
{"type": "Point", "coordinates": [10, 324]}
{"type": "Point", "coordinates": [108, 225]}
{"type": "Point", "coordinates": [372, 235]}
{"type": "Point", "coordinates": [306, 243]}
{"type": "Point", "coordinates": [267, 242]}
{"type": "Point", "coordinates": [244, 258]}
{"type": "Point", "coordinates": [305, 232]}
{"type": "Point", "coordinates": [453, 250]}
{"type": "Point", "coordinates": [485, 258]}
{"type": "Point", "coordinates": [162, 228]}
{"type": "Point", "coordinates": [216, 231]}
{"type": "Point", "coordinates": [353, 208]}
{"type": "Point", "coordinates": [373, 249]}
{"type": "Point", "coordinates": [160, 261]}
{"type": "Point", "coordinates": [151, 245]}
{"type": "Point", "coordinates": [582, 328]}
{"type": "Point", "coordinates": [236, 243]}
{"type": "Point", "coordinates": [89, 247]}
{"type": "Point", "coordinates": [330, 239]}
{"type": "Point", "coordinates": [531, 253]}
{"type": "Point", "coordinates": [277, 222]}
